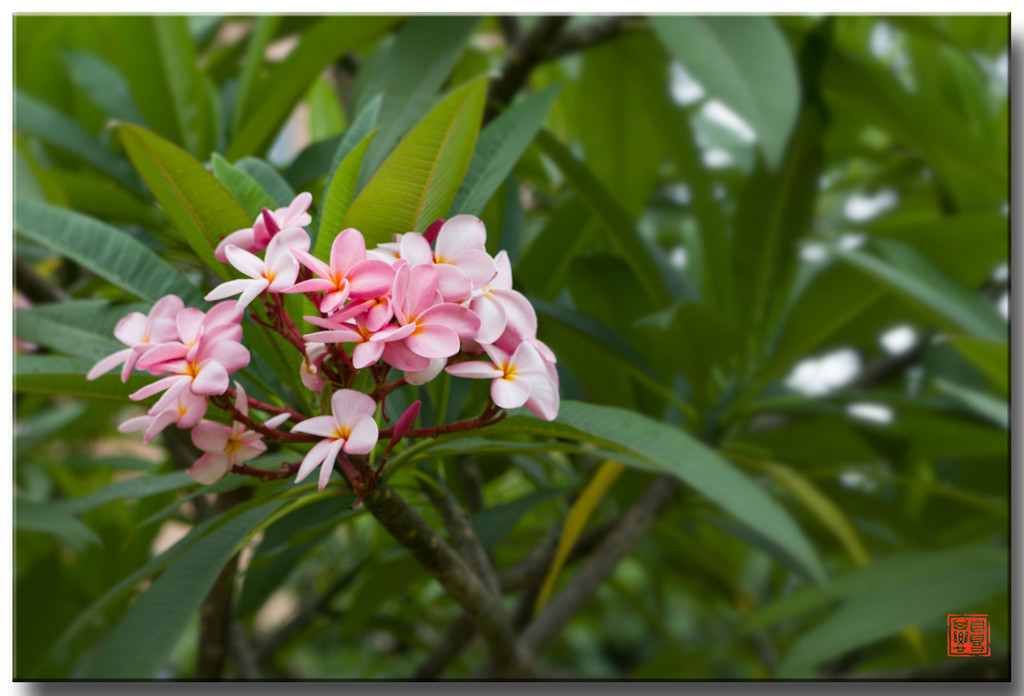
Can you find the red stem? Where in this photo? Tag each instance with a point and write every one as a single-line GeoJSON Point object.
{"type": "Point", "coordinates": [272, 433]}
{"type": "Point", "coordinates": [285, 471]}
{"type": "Point", "coordinates": [269, 408]}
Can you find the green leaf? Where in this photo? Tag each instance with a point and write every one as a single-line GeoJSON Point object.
{"type": "Point", "coordinates": [872, 616]}
{"type": "Point", "coordinates": [326, 41]}
{"type": "Point", "coordinates": [419, 180]}
{"type": "Point", "coordinates": [408, 74]}
{"type": "Point", "coordinates": [493, 523]}
{"type": "Point", "coordinates": [774, 211]}
{"type": "Point", "coordinates": [42, 121]}
{"type": "Point", "coordinates": [499, 147]}
{"type": "Point", "coordinates": [897, 570]}
{"type": "Point", "coordinates": [106, 251]}
{"type": "Point", "coordinates": [992, 357]}
{"type": "Point", "coordinates": [105, 199]}
{"type": "Point", "coordinates": [615, 223]}
{"type": "Point", "coordinates": [269, 178]}
{"type": "Point", "coordinates": [985, 405]}
{"type": "Point", "coordinates": [663, 449]}
{"type": "Point", "coordinates": [54, 374]}
{"type": "Point", "coordinates": [326, 118]}
{"type": "Point", "coordinates": [102, 84]}
{"type": "Point", "coordinates": [911, 275]}
{"type": "Point", "coordinates": [618, 127]}
{"type": "Point", "coordinates": [158, 60]}
{"type": "Point", "coordinates": [264, 29]}
{"type": "Point", "coordinates": [142, 640]}
{"type": "Point", "coordinates": [52, 332]}
{"type": "Point", "coordinates": [200, 207]}
{"type": "Point", "coordinates": [744, 62]}
{"type": "Point", "coordinates": [243, 187]}
{"type": "Point", "coordinates": [141, 487]}
{"type": "Point", "coordinates": [32, 516]}
{"type": "Point", "coordinates": [338, 197]}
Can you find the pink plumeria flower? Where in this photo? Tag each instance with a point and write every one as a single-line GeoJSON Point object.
{"type": "Point", "coordinates": [500, 307]}
{"type": "Point", "coordinates": [377, 311]}
{"type": "Point", "coordinates": [222, 323]}
{"type": "Point", "coordinates": [349, 428]}
{"type": "Point", "coordinates": [309, 370]}
{"type": "Point", "coordinates": [350, 273]}
{"type": "Point", "coordinates": [366, 351]}
{"type": "Point", "coordinates": [181, 407]}
{"type": "Point", "coordinates": [427, 328]}
{"type": "Point", "coordinates": [224, 446]}
{"type": "Point", "coordinates": [267, 224]}
{"type": "Point", "coordinates": [141, 333]}
{"type": "Point", "coordinates": [276, 273]}
{"type": "Point", "coordinates": [520, 379]}
{"type": "Point", "coordinates": [204, 374]}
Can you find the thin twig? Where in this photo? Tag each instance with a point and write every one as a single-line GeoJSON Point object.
{"type": "Point", "coordinates": [593, 34]}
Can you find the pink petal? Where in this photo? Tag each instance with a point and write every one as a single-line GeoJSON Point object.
{"type": "Point", "coordinates": [379, 315]}
{"type": "Point", "coordinates": [390, 334]}
{"type": "Point", "coordinates": [109, 363]}
{"type": "Point", "coordinates": [321, 426]}
{"type": "Point", "coordinates": [161, 353]}
{"type": "Point", "coordinates": [460, 233]}
{"type": "Point", "coordinates": [503, 277]}
{"type": "Point", "coordinates": [346, 404]}
{"type": "Point", "coordinates": [189, 323]}
{"type": "Point", "coordinates": [543, 397]}
{"type": "Point", "coordinates": [398, 355]}
{"type": "Point", "coordinates": [313, 458]}
{"type": "Point", "coordinates": [370, 278]}
{"type": "Point", "coordinates": [211, 437]}
{"type": "Point", "coordinates": [158, 386]}
{"type": "Point", "coordinates": [420, 293]}
{"type": "Point", "coordinates": [348, 249]}
{"type": "Point", "coordinates": [210, 380]}
{"type": "Point", "coordinates": [251, 293]}
{"type": "Point", "coordinates": [363, 436]}
{"type": "Point", "coordinates": [314, 285]}
{"type": "Point", "coordinates": [231, 354]}
{"type": "Point", "coordinates": [248, 263]}
{"type": "Point", "coordinates": [452, 283]}
{"type": "Point", "coordinates": [496, 354]}
{"type": "Point", "coordinates": [478, 265]}
{"type": "Point", "coordinates": [455, 317]}
{"type": "Point", "coordinates": [522, 318]}
{"type": "Point", "coordinates": [284, 243]}
{"type": "Point", "coordinates": [338, 335]}
{"type": "Point", "coordinates": [433, 341]}
{"type": "Point", "coordinates": [475, 370]}
{"type": "Point", "coordinates": [229, 288]}
{"type": "Point", "coordinates": [428, 373]}
{"type": "Point", "coordinates": [430, 234]}
{"type": "Point", "coordinates": [243, 239]}
{"type": "Point", "coordinates": [492, 319]}
{"type": "Point", "coordinates": [510, 392]}
{"type": "Point", "coordinates": [209, 469]}
{"type": "Point", "coordinates": [333, 300]}
{"type": "Point", "coordinates": [327, 468]}
{"type": "Point", "coordinates": [415, 249]}
{"type": "Point", "coordinates": [366, 354]}
{"type": "Point", "coordinates": [241, 399]}
{"type": "Point", "coordinates": [131, 329]}
{"type": "Point", "coordinates": [312, 263]}
{"type": "Point", "coordinates": [526, 359]}
{"type": "Point", "coordinates": [298, 207]}
{"type": "Point", "coordinates": [277, 420]}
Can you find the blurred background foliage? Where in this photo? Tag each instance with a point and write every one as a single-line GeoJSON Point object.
{"type": "Point", "coordinates": [786, 237]}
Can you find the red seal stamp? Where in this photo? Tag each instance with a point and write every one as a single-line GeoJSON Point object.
{"type": "Point", "coordinates": [968, 635]}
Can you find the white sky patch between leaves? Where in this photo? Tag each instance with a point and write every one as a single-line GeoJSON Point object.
{"type": "Point", "coordinates": [818, 376]}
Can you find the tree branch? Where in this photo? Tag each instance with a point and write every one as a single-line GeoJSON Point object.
{"type": "Point", "coordinates": [463, 536]}
{"type": "Point", "coordinates": [522, 58]}
{"type": "Point", "coordinates": [593, 34]}
{"type": "Point", "coordinates": [472, 482]}
{"type": "Point", "coordinates": [618, 544]}
{"type": "Point", "coordinates": [444, 564]}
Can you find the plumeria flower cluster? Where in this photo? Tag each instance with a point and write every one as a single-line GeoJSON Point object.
{"type": "Point", "coordinates": [417, 305]}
